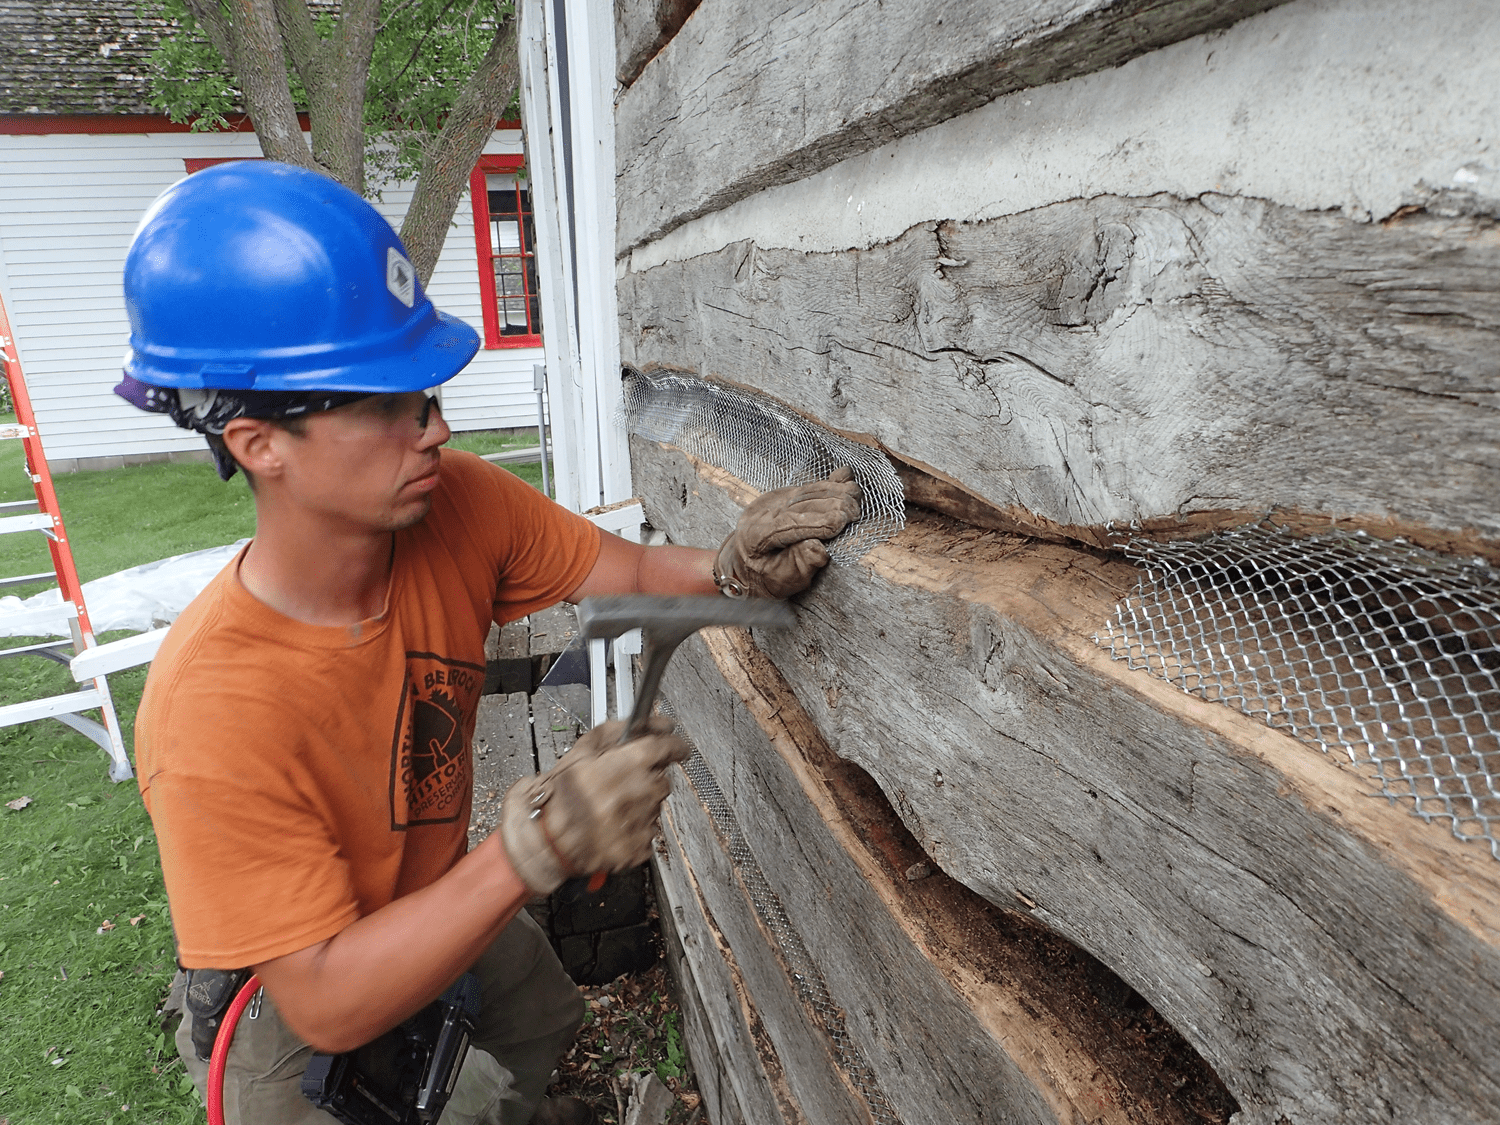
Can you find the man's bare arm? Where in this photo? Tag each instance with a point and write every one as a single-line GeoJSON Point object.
{"type": "Point", "coordinates": [343, 992]}
{"type": "Point", "coordinates": [775, 550]}
{"type": "Point", "coordinates": [624, 567]}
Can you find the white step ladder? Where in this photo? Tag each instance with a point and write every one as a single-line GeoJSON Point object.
{"type": "Point", "coordinates": [42, 514]}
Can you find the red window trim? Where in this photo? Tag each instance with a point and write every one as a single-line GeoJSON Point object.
{"type": "Point", "coordinates": [198, 163]}
{"type": "Point", "coordinates": [484, 251]}
{"type": "Point", "coordinates": [46, 124]}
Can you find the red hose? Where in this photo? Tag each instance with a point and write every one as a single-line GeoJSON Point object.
{"type": "Point", "coordinates": [220, 1054]}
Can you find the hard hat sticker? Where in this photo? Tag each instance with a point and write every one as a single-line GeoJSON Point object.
{"type": "Point", "coordinates": [400, 278]}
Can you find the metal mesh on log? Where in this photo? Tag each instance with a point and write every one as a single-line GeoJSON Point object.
{"type": "Point", "coordinates": [765, 444]}
{"type": "Point", "coordinates": [1385, 652]}
{"type": "Point", "coordinates": [805, 975]}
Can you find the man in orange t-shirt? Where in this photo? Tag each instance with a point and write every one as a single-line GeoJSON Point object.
{"type": "Point", "coordinates": [303, 743]}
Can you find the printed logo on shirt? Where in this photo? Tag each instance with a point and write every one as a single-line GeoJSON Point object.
{"type": "Point", "coordinates": [431, 772]}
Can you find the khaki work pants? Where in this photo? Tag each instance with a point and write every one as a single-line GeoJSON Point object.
{"type": "Point", "coordinates": [531, 1011]}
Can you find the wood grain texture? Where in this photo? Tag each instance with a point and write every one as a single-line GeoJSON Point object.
{"type": "Point", "coordinates": [804, 1055]}
{"type": "Point", "coordinates": [1130, 359]}
{"type": "Point", "coordinates": [960, 1017]}
{"type": "Point", "coordinates": [507, 658]}
{"type": "Point", "coordinates": [790, 1077]}
{"type": "Point", "coordinates": [642, 28]}
{"type": "Point", "coordinates": [1332, 957]}
{"type": "Point", "coordinates": [683, 933]}
{"type": "Point", "coordinates": [749, 95]}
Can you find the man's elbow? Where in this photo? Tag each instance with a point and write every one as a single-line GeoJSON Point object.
{"type": "Point", "coordinates": [322, 1031]}
{"type": "Point", "coordinates": [329, 1020]}
{"type": "Point", "coordinates": [330, 1041]}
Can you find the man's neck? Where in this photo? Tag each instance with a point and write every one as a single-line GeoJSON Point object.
{"type": "Point", "coordinates": [316, 574]}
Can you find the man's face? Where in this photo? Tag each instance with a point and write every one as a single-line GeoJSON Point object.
{"type": "Point", "coordinates": [371, 464]}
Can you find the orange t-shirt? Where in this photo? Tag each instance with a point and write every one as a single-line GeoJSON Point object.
{"type": "Point", "coordinates": [299, 776]}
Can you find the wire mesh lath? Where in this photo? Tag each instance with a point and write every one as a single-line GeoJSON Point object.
{"type": "Point", "coordinates": [1383, 651]}
{"type": "Point", "coordinates": [766, 445]}
{"type": "Point", "coordinates": [803, 970]}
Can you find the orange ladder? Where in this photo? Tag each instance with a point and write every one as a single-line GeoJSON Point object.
{"type": "Point", "coordinates": [44, 515]}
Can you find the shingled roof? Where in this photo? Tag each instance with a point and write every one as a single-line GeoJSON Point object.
{"type": "Point", "coordinates": [75, 56]}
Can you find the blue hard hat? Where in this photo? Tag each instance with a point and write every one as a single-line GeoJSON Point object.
{"type": "Point", "coordinates": [263, 276]}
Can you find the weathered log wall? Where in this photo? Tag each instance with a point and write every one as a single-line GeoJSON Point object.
{"type": "Point", "coordinates": [1114, 360]}
{"type": "Point", "coordinates": [759, 94]}
{"type": "Point", "coordinates": [642, 28]}
{"type": "Point", "coordinates": [1332, 957]}
{"type": "Point", "coordinates": [1227, 344]}
{"type": "Point", "coordinates": [952, 1011]}
{"type": "Point", "coordinates": [1255, 270]}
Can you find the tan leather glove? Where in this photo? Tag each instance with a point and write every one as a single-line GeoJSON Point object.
{"type": "Point", "coordinates": [595, 810]}
{"type": "Point", "coordinates": [775, 549]}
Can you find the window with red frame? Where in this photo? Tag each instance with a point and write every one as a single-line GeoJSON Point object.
{"type": "Point", "coordinates": [505, 242]}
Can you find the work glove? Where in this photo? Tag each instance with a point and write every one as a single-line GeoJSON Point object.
{"type": "Point", "coordinates": [595, 811]}
{"type": "Point", "coordinates": [776, 549]}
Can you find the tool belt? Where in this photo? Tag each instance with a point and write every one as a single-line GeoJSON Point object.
{"type": "Point", "coordinates": [209, 993]}
{"type": "Point", "coordinates": [406, 1076]}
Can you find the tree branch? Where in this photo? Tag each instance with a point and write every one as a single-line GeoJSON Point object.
{"type": "Point", "coordinates": [299, 35]}
{"type": "Point", "coordinates": [450, 158]}
{"type": "Point", "coordinates": [210, 17]}
{"type": "Point", "coordinates": [422, 42]}
{"type": "Point", "coordinates": [256, 55]}
{"type": "Point", "coordinates": [346, 74]}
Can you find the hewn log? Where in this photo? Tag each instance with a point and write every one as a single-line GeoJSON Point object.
{"type": "Point", "coordinates": [1131, 359]}
{"type": "Point", "coordinates": [552, 630]}
{"type": "Point", "coordinates": [750, 95]}
{"type": "Point", "coordinates": [754, 1079]}
{"type": "Point", "coordinates": [962, 1014]}
{"type": "Point", "coordinates": [642, 28]}
{"type": "Point", "coordinates": [811, 1085]}
{"type": "Point", "coordinates": [683, 932]}
{"type": "Point", "coordinates": [1332, 957]}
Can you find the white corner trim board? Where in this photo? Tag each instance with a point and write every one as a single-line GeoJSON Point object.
{"type": "Point", "coordinates": [1362, 106]}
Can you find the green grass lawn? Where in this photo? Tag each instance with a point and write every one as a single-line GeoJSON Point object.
{"type": "Point", "coordinates": [80, 859]}
{"type": "Point", "coordinates": [85, 941]}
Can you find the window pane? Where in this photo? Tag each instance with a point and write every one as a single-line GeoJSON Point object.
{"type": "Point", "coordinates": [512, 238]}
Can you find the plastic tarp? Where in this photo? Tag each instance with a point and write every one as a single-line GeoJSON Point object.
{"type": "Point", "coordinates": [143, 597]}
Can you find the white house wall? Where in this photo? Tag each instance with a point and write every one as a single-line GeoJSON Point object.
{"type": "Point", "coordinates": [69, 205]}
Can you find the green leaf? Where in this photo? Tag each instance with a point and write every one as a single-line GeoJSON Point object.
{"type": "Point", "coordinates": [425, 52]}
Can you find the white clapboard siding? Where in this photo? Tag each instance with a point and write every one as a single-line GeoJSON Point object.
{"type": "Point", "coordinates": [69, 205]}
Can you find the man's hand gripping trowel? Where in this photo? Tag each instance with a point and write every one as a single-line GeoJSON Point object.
{"type": "Point", "coordinates": [665, 622]}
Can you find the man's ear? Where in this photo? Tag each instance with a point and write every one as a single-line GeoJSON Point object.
{"type": "Point", "coordinates": [249, 441]}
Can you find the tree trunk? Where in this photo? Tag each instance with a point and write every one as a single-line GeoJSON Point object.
{"type": "Point", "coordinates": [450, 158]}
{"type": "Point", "coordinates": [251, 43]}
{"type": "Point", "coordinates": [257, 37]}
{"type": "Point", "coordinates": [334, 72]}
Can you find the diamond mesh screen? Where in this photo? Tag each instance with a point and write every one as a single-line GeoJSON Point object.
{"type": "Point", "coordinates": [800, 966]}
{"type": "Point", "coordinates": [1388, 653]}
{"type": "Point", "coordinates": [766, 445]}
